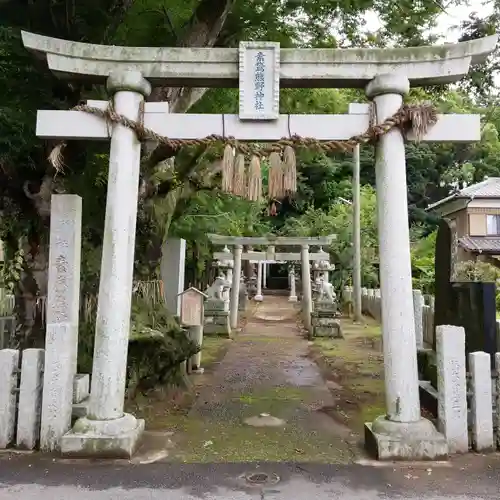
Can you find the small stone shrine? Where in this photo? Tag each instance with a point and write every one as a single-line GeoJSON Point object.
{"type": "Point", "coordinates": [216, 320]}
{"type": "Point", "coordinates": [324, 320]}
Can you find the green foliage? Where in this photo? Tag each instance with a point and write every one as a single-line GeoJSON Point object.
{"type": "Point", "coordinates": [476, 271]}
{"type": "Point", "coordinates": [422, 260]}
{"type": "Point", "coordinates": [157, 344]}
{"type": "Point", "coordinates": [338, 220]}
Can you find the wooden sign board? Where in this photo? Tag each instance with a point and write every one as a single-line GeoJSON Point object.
{"type": "Point", "coordinates": [259, 80]}
{"type": "Point", "coordinates": [192, 307]}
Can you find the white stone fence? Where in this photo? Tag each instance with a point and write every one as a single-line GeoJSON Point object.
{"type": "Point", "coordinates": [23, 424]}
{"type": "Point", "coordinates": [468, 403]}
{"type": "Point", "coordinates": [21, 382]}
{"type": "Point", "coordinates": [423, 307]}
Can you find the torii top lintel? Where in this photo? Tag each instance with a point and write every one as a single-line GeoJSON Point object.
{"type": "Point", "coordinates": [272, 240]}
{"type": "Point", "coordinates": [218, 67]}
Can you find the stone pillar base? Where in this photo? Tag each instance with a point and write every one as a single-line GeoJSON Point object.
{"type": "Point", "coordinates": [292, 298]}
{"type": "Point", "coordinates": [116, 438]}
{"type": "Point", "coordinates": [258, 298]}
{"type": "Point", "coordinates": [388, 440]}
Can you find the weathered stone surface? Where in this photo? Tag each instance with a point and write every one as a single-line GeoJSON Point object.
{"type": "Point", "coordinates": [413, 441]}
{"type": "Point", "coordinates": [214, 305]}
{"type": "Point", "coordinates": [117, 438]}
{"type": "Point", "coordinates": [418, 304]}
{"type": "Point", "coordinates": [9, 362]}
{"type": "Point", "coordinates": [400, 354]}
{"type": "Point", "coordinates": [57, 386]}
{"type": "Point", "coordinates": [324, 321]}
{"type": "Point", "coordinates": [30, 399]}
{"type": "Point", "coordinates": [325, 307]}
{"type": "Point", "coordinates": [63, 298]}
{"type": "Point", "coordinates": [81, 387]}
{"type": "Point", "coordinates": [172, 272]}
{"type": "Point", "coordinates": [333, 331]}
{"type": "Point", "coordinates": [203, 67]}
{"type": "Point", "coordinates": [482, 403]}
{"type": "Point", "coordinates": [452, 387]}
{"type": "Point", "coordinates": [107, 431]}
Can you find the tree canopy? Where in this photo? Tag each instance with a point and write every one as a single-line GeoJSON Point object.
{"type": "Point", "coordinates": [182, 198]}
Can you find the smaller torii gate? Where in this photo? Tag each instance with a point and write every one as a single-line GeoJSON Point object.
{"type": "Point", "coordinates": [263, 258]}
{"type": "Point", "coordinates": [271, 242]}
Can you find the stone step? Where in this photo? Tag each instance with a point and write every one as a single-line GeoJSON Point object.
{"type": "Point", "coordinates": [80, 409]}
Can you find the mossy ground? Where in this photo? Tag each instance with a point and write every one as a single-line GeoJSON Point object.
{"type": "Point", "coordinates": [158, 405]}
{"type": "Point", "coordinates": [356, 366]}
{"type": "Point", "coordinates": [266, 370]}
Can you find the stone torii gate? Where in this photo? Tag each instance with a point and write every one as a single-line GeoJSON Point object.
{"type": "Point", "coordinates": [263, 258]}
{"type": "Point", "coordinates": [386, 76]}
{"type": "Point", "coordinates": [271, 242]}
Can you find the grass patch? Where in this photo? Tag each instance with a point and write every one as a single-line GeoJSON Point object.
{"type": "Point", "coordinates": [213, 350]}
{"type": "Point", "coordinates": [202, 441]}
{"type": "Point", "coordinates": [356, 364]}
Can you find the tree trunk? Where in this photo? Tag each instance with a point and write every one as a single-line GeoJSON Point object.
{"type": "Point", "coordinates": [31, 295]}
{"type": "Point", "coordinates": [31, 292]}
{"type": "Point", "coordinates": [203, 30]}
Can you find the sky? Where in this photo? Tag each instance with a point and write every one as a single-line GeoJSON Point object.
{"type": "Point", "coordinates": [452, 16]}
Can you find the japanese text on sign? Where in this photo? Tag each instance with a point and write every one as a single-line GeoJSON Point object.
{"type": "Point", "coordinates": [260, 67]}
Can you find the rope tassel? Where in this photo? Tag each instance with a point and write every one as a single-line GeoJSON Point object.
{"type": "Point", "coordinates": [56, 158]}
{"type": "Point", "coordinates": [275, 187]}
{"type": "Point", "coordinates": [228, 169]}
{"type": "Point", "coordinates": [239, 179]}
{"type": "Point", "coordinates": [254, 187]}
{"type": "Point", "coordinates": [289, 171]}
{"type": "Point", "coordinates": [421, 118]}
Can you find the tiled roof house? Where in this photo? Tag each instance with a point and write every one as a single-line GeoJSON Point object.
{"type": "Point", "coordinates": [473, 214]}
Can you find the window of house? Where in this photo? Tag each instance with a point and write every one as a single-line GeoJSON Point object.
{"type": "Point", "coordinates": [493, 225]}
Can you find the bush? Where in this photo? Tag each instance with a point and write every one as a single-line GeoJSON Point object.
{"type": "Point", "coordinates": [476, 271]}
{"type": "Point", "coordinates": [157, 346]}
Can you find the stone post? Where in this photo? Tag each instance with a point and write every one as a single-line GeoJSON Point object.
{"type": "Point", "coordinates": [356, 241]}
{"type": "Point", "coordinates": [265, 270]}
{"type": "Point", "coordinates": [293, 293]}
{"type": "Point", "coordinates": [30, 399]}
{"type": "Point", "coordinates": [63, 303]}
{"type": "Point", "coordinates": [235, 288]}
{"type": "Point", "coordinates": [418, 312]}
{"type": "Point", "coordinates": [306, 286]}
{"type": "Point", "coordinates": [107, 430]}
{"type": "Point", "coordinates": [9, 366]}
{"type": "Point", "coordinates": [258, 297]}
{"type": "Point", "coordinates": [401, 433]}
{"type": "Point", "coordinates": [452, 387]}
{"type": "Point", "coordinates": [227, 293]}
{"type": "Point", "coordinates": [172, 269]}
{"type": "Point", "coordinates": [196, 335]}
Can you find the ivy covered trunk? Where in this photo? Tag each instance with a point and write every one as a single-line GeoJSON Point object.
{"type": "Point", "coordinates": [31, 289]}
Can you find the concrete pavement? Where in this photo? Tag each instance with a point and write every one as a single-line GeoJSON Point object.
{"type": "Point", "coordinates": [28, 477]}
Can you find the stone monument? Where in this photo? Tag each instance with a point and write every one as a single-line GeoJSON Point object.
{"type": "Point", "coordinates": [324, 315]}
{"type": "Point", "coordinates": [216, 312]}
